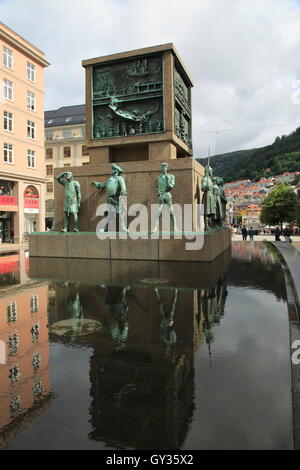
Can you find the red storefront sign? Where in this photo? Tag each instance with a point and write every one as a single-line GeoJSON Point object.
{"type": "Point", "coordinates": [8, 201]}
{"type": "Point", "coordinates": [31, 203]}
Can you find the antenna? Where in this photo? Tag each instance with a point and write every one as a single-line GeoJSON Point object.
{"type": "Point", "coordinates": [208, 157]}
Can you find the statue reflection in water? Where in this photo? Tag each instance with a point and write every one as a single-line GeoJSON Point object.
{"type": "Point", "coordinates": [167, 331]}
{"type": "Point", "coordinates": [213, 307]}
{"type": "Point", "coordinates": [117, 309]}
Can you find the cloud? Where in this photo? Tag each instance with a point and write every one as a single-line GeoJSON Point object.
{"type": "Point", "coordinates": [243, 56]}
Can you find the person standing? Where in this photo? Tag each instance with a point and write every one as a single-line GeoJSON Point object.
{"type": "Point", "coordinates": [287, 234]}
{"type": "Point", "coordinates": [244, 233]}
{"type": "Point", "coordinates": [251, 234]}
{"type": "Point", "coordinates": [277, 234]}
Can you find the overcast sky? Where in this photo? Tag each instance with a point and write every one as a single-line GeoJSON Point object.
{"type": "Point", "coordinates": [243, 56]}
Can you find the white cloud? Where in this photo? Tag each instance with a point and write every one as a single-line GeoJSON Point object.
{"type": "Point", "coordinates": [242, 55]}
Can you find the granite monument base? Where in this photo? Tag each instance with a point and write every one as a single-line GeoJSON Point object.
{"type": "Point", "coordinates": [203, 247]}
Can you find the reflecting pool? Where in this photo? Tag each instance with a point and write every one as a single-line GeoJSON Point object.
{"type": "Point", "coordinates": [145, 355]}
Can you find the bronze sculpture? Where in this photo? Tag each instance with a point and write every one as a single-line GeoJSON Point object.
{"type": "Point", "coordinates": [208, 199]}
{"type": "Point", "coordinates": [72, 199]}
{"type": "Point", "coordinates": [115, 188]}
{"type": "Point", "coordinates": [164, 184]}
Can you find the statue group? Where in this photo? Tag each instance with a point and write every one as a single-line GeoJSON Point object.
{"type": "Point", "coordinates": [214, 198]}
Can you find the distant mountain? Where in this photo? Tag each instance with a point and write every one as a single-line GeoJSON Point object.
{"type": "Point", "coordinates": [223, 163]}
{"type": "Point", "coordinates": [281, 156]}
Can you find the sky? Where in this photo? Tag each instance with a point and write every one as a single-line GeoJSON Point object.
{"type": "Point", "coordinates": [243, 57]}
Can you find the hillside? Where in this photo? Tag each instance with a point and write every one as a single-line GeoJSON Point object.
{"type": "Point", "coordinates": [223, 163]}
{"type": "Point", "coordinates": [281, 156]}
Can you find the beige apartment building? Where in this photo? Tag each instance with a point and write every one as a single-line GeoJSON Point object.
{"type": "Point", "coordinates": [64, 146]}
{"type": "Point", "coordinates": [22, 162]}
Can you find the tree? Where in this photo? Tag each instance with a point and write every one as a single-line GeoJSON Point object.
{"type": "Point", "coordinates": [281, 205]}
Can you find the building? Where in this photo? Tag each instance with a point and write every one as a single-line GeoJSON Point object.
{"type": "Point", "coordinates": [65, 146]}
{"type": "Point", "coordinates": [22, 167]}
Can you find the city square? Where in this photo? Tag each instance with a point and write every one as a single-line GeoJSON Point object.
{"type": "Point", "coordinates": [149, 269]}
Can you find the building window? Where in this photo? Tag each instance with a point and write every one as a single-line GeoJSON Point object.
{"type": "Point", "coordinates": [8, 121]}
{"type": "Point", "coordinates": [35, 332]}
{"type": "Point", "coordinates": [12, 312]}
{"type": "Point", "coordinates": [84, 150]}
{"type": "Point", "coordinates": [67, 152]}
{"type": "Point", "coordinates": [13, 343]}
{"type": "Point", "coordinates": [36, 361]}
{"type": "Point", "coordinates": [31, 129]}
{"type": "Point", "coordinates": [8, 153]}
{"type": "Point", "coordinates": [34, 304]}
{"type": "Point", "coordinates": [49, 170]}
{"type": "Point", "coordinates": [8, 89]}
{"type": "Point", "coordinates": [67, 134]}
{"type": "Point", "coordinates": [31, 72]}
{"type": "Point", "coordinates": [8, 58]}
{"type": "Point", "coordinates": [31, 98]}
{"type": "Point", "coordinates": [15, 405]}
{"type": "Point", "coordinates": [37, 389]}
{"type": "Point", "coordinates": [49, 135]}
{"type": "Point", "coordinates": [49, 153]}
{"type": "Point", "coordinates": [14, 374]}
{"type": "Point", "coordinates": [49, 187]}
{"type": "Point", "coordinates": [67, 164]}
{"type": "Point", "coordinates": [31, 158]}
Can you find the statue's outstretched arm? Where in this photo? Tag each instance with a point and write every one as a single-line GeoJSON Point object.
{"type": "Point", "coordinates": [98, 185]}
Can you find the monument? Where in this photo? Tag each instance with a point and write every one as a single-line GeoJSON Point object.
{"type": "Point", "coordinates": [139, 138]}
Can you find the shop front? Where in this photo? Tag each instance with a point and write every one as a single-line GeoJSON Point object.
{"type": "Point", "coordinates": [31, 210]}
{"type": "Point", "coordinates": [8, 207]}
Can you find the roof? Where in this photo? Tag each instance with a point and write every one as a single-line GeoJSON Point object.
{"type": "Point", "coordinates": [66, 115]}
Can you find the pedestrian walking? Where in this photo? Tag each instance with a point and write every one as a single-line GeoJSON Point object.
{"type": "Point", "coordinates": [244, 233]}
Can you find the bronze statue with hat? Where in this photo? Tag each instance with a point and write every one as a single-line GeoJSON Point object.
{"type": "Point", "coordinates": [115, 188]}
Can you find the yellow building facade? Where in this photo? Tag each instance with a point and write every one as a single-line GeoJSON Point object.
{"type": "Point", "coordinates": [22, 161]}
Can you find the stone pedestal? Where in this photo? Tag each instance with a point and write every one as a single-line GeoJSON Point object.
{"type": "Point", "coordinates": [88, 245]}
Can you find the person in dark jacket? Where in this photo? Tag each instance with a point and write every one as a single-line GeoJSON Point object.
{"type": "Point", "coordinates": [251, 234]}
{"type": "Point", "coordinates": [244, 233]}
{"type": "Point", "coordinates": [277, 234]}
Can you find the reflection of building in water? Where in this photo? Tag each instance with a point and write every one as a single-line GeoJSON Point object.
{"type": "Point", "coordinates": [253, 251]}
{"type": "Point", "coordinates": [141, 397]}
{"type": "Point", "coordinates": [14, 268]}
{"type": "Point", "coordinates": [24, 356]}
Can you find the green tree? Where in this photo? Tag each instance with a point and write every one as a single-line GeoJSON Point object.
{"type": "Point", "coordinates": [281, 205]}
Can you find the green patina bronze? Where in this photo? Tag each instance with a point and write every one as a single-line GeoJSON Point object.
{"type": "Point", "coordinates": [115, 188]}
{"type": "Point", "coordinates": [127, 97]}
{"type": "Point", "coordinates": [223, 198]}
{"type": "Point", "coordinates": [182, 116]}
{"type": "Point", "coordinates": [208, 200]}
{"type": "Point", "coordinates": [72, 199]}
{"type": "Point", "coordinates": [214, 200]}
{"type": "Point", "coordinates": [164, 184]}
